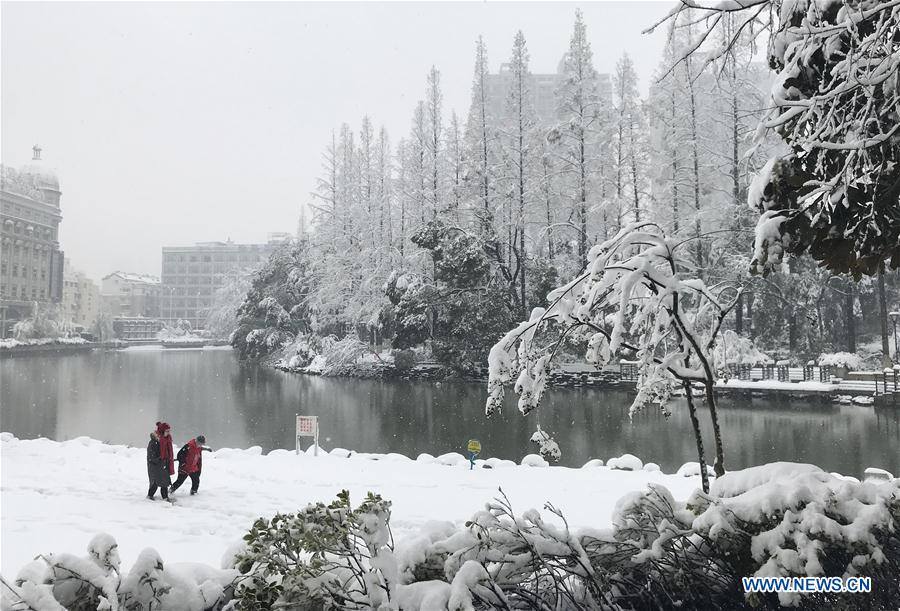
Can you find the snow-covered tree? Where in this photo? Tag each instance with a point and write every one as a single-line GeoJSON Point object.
{"type": "Point", "coordinates": [835, 105]}
{"type": "Point", "coordinates": [277, 306]}
{"type": "Point", "coordinates": [638, 297]}
{"type": "Point", "coordinates": [629, 143]}
{"type": "Point", "coordinates": [434, 141]}
{"type": "Point", "coordinates": [223, 314]}
{"type": "Point", "coordinates": [480, 143]}
{"type": "Point", "coordinates": [519, 169]}
{"type": "Point", "coordinates": [578, 139]}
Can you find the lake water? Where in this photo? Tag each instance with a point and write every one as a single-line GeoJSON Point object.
{"type": "Point", "coordinates": [117, 397]}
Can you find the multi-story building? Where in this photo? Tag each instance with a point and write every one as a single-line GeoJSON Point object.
{"type": "Point", "coordinates": [192, 274]}
{"type": "Point", "coordinates": [31, 264]}
{"type": "Point", "coordinates": [541, 87]}
{"type": "Point", "coordinates": [127, 295]}
{"type": "Point", "coordinates": [81, 298]}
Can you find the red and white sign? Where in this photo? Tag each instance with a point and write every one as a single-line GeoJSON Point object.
{"type": "Point", "coordinates": [307, 426]}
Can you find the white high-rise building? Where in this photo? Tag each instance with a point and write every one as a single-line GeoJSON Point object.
{"type": "Point", "coordinates": [541, 87]}
{"type": "Point", "coordinates": [192, 274]}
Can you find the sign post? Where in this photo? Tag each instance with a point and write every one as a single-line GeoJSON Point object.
{"type": "Point", "coordinates": [474, 448]}
{"type": "Point", "coordinates": [308, 426]}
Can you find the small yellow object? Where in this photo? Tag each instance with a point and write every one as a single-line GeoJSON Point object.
{"type": "Point", "coordinates": [474, 446]}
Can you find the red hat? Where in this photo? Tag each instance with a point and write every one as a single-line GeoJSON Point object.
{"type": "Point", "coordinates": [162, 427]}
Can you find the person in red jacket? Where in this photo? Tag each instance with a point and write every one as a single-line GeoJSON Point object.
{"type": "Point", "coordinates": [190, 463]}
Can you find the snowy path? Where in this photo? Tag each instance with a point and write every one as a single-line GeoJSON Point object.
{"type": "Point", "coordinates": [56, 496]}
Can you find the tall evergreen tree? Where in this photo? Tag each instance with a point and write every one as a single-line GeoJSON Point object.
{"type": "Point", "coordinates": [579, 134]}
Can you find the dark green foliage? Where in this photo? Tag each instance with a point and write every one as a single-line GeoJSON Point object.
{"type": "Point", "coordinates": [318, 558]}
{"type": "Point", "coordinates": [411, 316]}
{"type": "Point", "coordinates": [466, 310]}
{"type": "Point", "coordinates": [275, 308]}
{"type": "Point", "coordinates": [839, 188]}
{"type": "Point", "coordinates": [404, 360]}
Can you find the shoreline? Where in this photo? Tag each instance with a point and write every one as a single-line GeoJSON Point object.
{"type": "Point", "coordinates": [610, 379]}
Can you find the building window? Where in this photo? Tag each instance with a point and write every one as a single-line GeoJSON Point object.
{"type": "Point", "coordinates": [15, 271]}
{"type": "Point", "coordinates": [34, 293]}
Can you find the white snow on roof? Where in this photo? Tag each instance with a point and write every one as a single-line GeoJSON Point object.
{"type": "Point", "coordinates": [130, 277]}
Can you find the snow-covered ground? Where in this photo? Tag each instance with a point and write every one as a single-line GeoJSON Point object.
{"type": "Point", "coordinates": [57, 495]}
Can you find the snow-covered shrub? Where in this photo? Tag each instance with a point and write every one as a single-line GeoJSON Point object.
{"type": "Point", "coordinates": [534, 460]}
{"type": "Point", "coordinates": [339, 354]}
{"type": "Point", "coordinates": [332, 557]}
{"type": "Point", "coordinates": [43, 323]}
{"type": "Point", "coordinates": [734, 349]}
{"type": "Point", "coordinates": [789, 520]}
{"type": "Point", "coordinates": [259, 343]}
{"type": "Point", "coordinates": [848, 360]}
{"type": "Point", "coordinates": [625, 462]}
{"type": "Point", "coordinates": [692, 469]}
{"type": "Point", "coordinates": [301, 351]}
{"type": "Point", "coordinates": [57, 582]}
{"type": "Point", "coordinates": [180, 332]}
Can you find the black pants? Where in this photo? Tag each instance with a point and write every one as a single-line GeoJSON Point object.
{"type": "Point", "coordinates": [195, 481]}
{"type": "Point", "coordinates": [164, 490]}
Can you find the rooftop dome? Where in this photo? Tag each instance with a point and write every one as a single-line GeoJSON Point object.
{"type": "Point", "coordinates": [42, 176]}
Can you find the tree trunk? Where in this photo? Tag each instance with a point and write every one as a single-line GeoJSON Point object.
{"type": "Point", "coordinates": [582, 206]}
{"type": "Point", "coordinates": [719, 463]}
{"type": "Point", "coordinates": [739, 314]}
{"type": "Point", "coordinates": [752, 329]}
{"type": "Point", "coordinates": [882, 304]}
{"type": "Point", "coordinates": [698, 437]}
{"type": "Point", "coordinates": [792, 331]}
{"type": "Point", "coordinates": [851, 319]}
{"type": "Point", "coordinates": [698, 226]}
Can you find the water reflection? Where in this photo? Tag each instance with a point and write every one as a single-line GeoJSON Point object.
{"type": "Point", "coordinates": [117, 396]}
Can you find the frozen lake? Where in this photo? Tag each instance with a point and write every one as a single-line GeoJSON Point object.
{"type": "Point", "coordinates": [117, 397]}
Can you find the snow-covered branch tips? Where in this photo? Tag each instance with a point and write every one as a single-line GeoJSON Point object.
{"type": "Point", "coordinates": [637, 298]}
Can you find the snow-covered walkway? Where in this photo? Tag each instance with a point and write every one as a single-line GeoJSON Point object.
{"type": "Point", "coordinates": [57, 495]}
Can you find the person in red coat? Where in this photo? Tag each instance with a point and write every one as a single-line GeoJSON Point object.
{"type": "Point", "coordinates": [190, 463]}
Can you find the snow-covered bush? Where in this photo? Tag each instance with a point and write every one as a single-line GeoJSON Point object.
{"type": "Point", "coordinates": [333, 557]}
{"type": "Point", "coordinates": [301, 351]}
{"type": "Point", "coordinates": [340, 354]}
{"type": "Point", "coordinates": [43, 323]}
{"type": "Point", "coordinates": [8, 344]}
{"type": "Point", "coordinates": [846, 360]}
{"type": "Point", "coordinates": [625, 462]}
{"type": "Point", "coordinates": [59, 582]}
{"type": "Point", "coordinates": [181, 332]}
{"type": "Point", "coordinates": [787, 520]}
{"type": "Point", "coordinates": [734, 349]}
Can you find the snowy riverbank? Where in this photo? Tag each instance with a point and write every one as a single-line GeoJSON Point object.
{"type": "Point", "coordinates": [58, 495]}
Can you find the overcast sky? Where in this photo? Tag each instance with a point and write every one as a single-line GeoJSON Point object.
{"type": "Point", "coordinates": [172, 123]}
